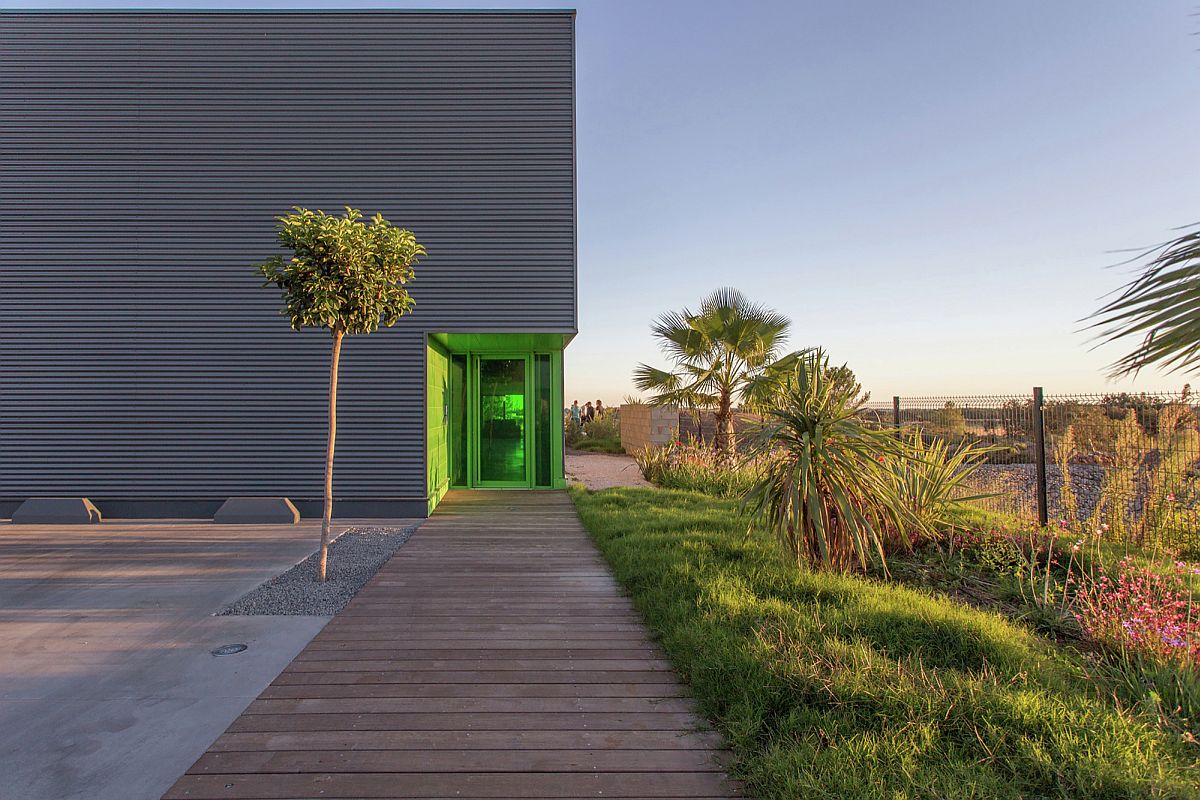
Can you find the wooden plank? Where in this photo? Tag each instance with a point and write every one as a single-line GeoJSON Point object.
{"type": "Point", "coordinates": [468, 785]}
{"type": "Point", "coordinates": [476, 676]}
{"type": "Point", "coordinates": [547, 622]}
{"type": "Point", "coordinates": [476, 664]}
{"type": "Point", "coordinates": [628, 643]}
{"type": "Point", "coordinates": [396, 629]}
{"type": "Point", "coordinates": [468, 721]}
{"type": "Point", "coordinates": [467, 705]}
{"type": "Point", "coordinates": [447, 761]}
{"type": "Point", "coordinates": [365, 651]}
{"type": "Point", "coordinates": [466, 741]}
{"type": "Point", "coordinates": [480, 690]}
{"type": "Point", "coordinates": [481, 605]}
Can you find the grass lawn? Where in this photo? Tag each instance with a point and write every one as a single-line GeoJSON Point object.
{"type": "Point", "coordinates": [848, 687]}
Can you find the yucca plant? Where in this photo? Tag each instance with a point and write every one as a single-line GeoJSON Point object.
{"type": "Point", "coordinates": [934, 480]}
{"type": "Point", "coordinates": [827, 489]}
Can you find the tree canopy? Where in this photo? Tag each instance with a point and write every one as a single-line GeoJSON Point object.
{"type": "Point", "coordinates": [344, 274]}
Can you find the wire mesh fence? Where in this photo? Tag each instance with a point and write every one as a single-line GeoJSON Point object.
{"type": "Point", "coordinates": [1123, 464]}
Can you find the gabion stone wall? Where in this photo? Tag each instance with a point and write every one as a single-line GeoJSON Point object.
{"type": "Point", "coordinates": [644, 426]}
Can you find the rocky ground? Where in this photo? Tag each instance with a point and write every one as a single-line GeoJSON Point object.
{"type": "Point", "coordinates": [354, 558]}
{"type": "Point", "coordinates": [1018, 484]}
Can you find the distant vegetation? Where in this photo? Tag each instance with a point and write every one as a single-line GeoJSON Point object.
{"type": "Point", "coordinates": [601, 435]}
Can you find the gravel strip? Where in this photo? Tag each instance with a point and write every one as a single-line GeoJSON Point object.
{"type": "Point", "coordinates": [1018, 482]}
{"type": "Point", "coordinates": [354, 557]}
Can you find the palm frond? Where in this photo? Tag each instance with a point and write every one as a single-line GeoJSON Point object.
{"type": "Point", "coordinates": [714, 352]}
{"type": "Point", "coordinates": [652, 379]}
{"type": "Point", "coordinates": [1160, 307]}
{"type": "Point", "coordinates": [680, 338]}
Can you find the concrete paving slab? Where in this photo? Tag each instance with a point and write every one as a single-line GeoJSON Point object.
{"type": "Point", "coordinates": [108, 688]}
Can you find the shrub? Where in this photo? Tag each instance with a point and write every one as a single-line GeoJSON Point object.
{"type": "Point", "coordinates": [827, 491]}
{"type": "Point", "coordinates": [696, 468]}
{"type": "Point", "coordinates": [1145, 620]}
{"type": "Point", "coordinates": [1149, 492]}
{"type": "Point", "coordinates": [1141, 610]}
{"type": "Point", "coordinates": [948, 422]}
{"type": "Point", "coordinates": [932, 478]}
{"type": "Point", "coordinates": [601, 435]}
{"type": "Point", "coordinates": [605, 426]}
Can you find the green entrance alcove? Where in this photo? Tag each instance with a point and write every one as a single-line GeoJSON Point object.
{"type": "Point", "coordinates": [495, 407]}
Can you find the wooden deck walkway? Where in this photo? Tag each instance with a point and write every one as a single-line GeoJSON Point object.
{"type": "Point", "coordinates": [493, 656]}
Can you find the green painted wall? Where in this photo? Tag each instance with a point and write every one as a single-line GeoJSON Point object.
{"type": "Point", "coordinates": [437, 398]}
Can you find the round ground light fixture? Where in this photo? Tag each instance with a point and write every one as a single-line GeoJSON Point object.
{"type": "Point", "coordinates": [228, 649]}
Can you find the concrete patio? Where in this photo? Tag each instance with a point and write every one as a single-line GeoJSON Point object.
{"type": "Point", "coordinates": [108, 688]}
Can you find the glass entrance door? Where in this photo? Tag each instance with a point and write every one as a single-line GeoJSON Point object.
{"type": "Point", "coordinates": [503, 460]}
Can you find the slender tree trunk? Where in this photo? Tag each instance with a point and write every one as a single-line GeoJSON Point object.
{"type": "Point", "coordinates": [328, 516]}
{"type": "Point", "coordinates": [724, 438]}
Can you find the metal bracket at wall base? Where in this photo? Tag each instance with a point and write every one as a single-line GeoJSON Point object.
{"type": "Point", "coordinates": [56, 511]}
{"type": "Point", "coordinates": [257, 511]}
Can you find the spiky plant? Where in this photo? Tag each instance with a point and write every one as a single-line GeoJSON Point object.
{"type": "Point", "coordinates": [1161, 307]}
{"type": "Point", "coordinates": [729, 351]}
{"type": "Point", "coordinates": [935, 479]}
{"type": "Point", "coordinates": [827, 489]}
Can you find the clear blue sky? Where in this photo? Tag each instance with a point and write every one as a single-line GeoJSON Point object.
{"type": "Point", "coordinates": [931, 190]}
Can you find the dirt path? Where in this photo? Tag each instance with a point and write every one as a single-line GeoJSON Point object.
{"type": "Point", "coordinates": [603, 471]}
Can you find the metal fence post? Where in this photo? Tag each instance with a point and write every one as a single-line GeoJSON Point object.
{"type": "Point", "coordinates": [1039, 445]}
{"type": "Point", "coordinates": [896, 414]}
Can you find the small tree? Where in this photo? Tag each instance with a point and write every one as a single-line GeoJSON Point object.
{"type": "Point", "coordinates": [348, 277]}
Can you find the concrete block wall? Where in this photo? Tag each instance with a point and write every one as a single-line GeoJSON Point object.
{"type": "Point", "coordinates": [647, 426]}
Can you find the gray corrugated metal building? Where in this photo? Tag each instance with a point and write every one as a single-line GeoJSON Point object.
{"type": "Point", "coordinates": [143, 158]}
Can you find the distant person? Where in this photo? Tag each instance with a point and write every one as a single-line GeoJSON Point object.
{"type": "Point", "coordinates": [599, 408]}
{"type": "Point", "coordinates": [589, 413]}
{"type": "Point", "coordinates": [576, 414]}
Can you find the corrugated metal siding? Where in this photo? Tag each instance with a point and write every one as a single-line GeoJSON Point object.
{"type": "Point", "coordinates": [143, 157]}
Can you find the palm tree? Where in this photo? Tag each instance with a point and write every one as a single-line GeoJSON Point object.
{"type": "Point", "coordinates": [1162, 308]}
{"type": "Point", "coordinates": [729, 350]}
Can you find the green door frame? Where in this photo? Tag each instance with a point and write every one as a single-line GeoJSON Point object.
{"type": "Point", "coordinates": [474, 423]}
{"type": "Point", "coordinates": [471, 354]}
